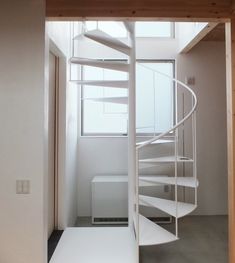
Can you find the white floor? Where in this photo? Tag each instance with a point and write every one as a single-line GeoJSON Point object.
{"type": "Point", "coordinates": [96, 245]}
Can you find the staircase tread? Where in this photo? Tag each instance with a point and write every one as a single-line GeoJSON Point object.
{"type": "Point", "coordinates": [161, 141]}
{"type": "Point", "coordinates": [143, 166]}
{"type": "Point", "coordinates": [182, 181]}
{"type": "Point", "coordinates": [113, 65]}
{"type": "Point", "coordinates": [103, 83]}
{"type": "Point", "coordinates": [166, 159]}
{"type": "Point", "coordinates": [117, 100]}
{"type": "Point", "coordinates": [105, 39]}
{"type": "Point", "coordinates": [167, 206]}
{"type": "Point", "coordinates": [152, 234]}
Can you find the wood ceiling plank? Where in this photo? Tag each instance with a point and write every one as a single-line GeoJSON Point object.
{"type": "Point", "coordinates": [139, 8]}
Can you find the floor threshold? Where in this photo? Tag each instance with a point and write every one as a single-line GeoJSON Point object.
{"type": "Point", "coordinates": [96, 245]}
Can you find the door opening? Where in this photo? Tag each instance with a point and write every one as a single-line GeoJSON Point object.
{"type": "Point", "coordinates": [52, 144]}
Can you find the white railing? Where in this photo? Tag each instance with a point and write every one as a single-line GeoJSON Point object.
{"type": "Point", "coordinates": [178, 124]}
{"type": "Point", "coordinates": [191, 115]}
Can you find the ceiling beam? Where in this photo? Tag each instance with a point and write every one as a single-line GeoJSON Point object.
{"type": "Point", "coordinates": [198, 37]}
{"type": "Point", "coordinates": [233, 7]}
{"type": "Point", "coordinates": [139, 9]}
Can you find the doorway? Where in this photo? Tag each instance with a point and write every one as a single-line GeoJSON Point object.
{"type": "Point", "coordinates": [52, 144]}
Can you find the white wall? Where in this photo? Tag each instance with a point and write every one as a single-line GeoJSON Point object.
{"type": "Point", "coordinates": [71, 156]}
{"type": "Point", "coordinates": [60, 34]}
{"type": "Point", "coordinates": [98, 156]}
{"type": "Point", "coordinates": [22, 133]}
{"type": "Point", "coordinates": [206, 62]}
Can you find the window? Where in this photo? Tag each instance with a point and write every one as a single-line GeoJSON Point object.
{"type": "Point", "coordinates": [154, 112]}
{"type": "Point", "coordinates": [113, 28]}
{"type": "Point", "coordinates": [101, 118]}
{"type": "Point", "coordinates": [155, 29]}
{"type": "Point", "coordinates": [154, 96]}
{"type": "Point", "coordinates": [143, 29]}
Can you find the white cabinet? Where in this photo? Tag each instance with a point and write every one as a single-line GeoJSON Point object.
{"type": "Point", "coordinates": [109, 199]}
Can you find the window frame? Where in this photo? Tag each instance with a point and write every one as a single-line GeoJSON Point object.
{"type": "Point", "coordinates": [82, 134]}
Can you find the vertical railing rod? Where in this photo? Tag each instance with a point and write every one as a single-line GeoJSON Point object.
{"type": "Point", "coordinates": [73, 39]}
{"type": "Point", "coordinates": [103, 89]}
{"type": "Point", "coordinates": [154, 104]}
{"type": "Point", "coordinates": [132, 162]}
{"type": "Point", "coordinates": [194, 127]}
{"type": "Point", "coordinates": [183, 144]}
{"type": "Point", "coordinates": [137, 197]}
{"type": "Point", "coordinates": [176, 162]}
{"type": "Point", "coordinates": [71, 47]}
{"type": "Point", "coordinates": [176, 183]}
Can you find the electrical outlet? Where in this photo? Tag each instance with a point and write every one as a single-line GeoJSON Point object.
{"type": "Point", "coordinates": [22, 186]}
{"type": "Point", "coordinates": [26, 187]}
{"type": "Point", "coordinates": [190, 80]}
{"type": "Point", "coordinates": [19, 187]}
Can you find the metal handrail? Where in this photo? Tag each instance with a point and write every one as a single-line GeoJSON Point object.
{"type": "Point", "coordinates": [174, 128]}
{"type": "Point", "coordinates": [177, 125]}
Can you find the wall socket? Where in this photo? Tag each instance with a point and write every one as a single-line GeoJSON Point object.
{"type": "Point", "coordinates": [190, 81]}
{"type": "Point", "coordinates": [22, 186]}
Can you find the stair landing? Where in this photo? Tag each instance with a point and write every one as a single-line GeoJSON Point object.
{"type": "Point", "coordinates": [96, 245]}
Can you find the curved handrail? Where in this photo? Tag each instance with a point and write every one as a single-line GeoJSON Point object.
{"type": "Point", "coordinates": [155, 138]}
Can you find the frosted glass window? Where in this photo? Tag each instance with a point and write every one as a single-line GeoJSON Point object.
{"type": "Point", "coordinates": [102, 117]}
{"type": "Point", "coordinates": [154, 97]}
{"type": "Point", "coordinates": [154, 100]}
{"type": "Point", "coordinates": [154, 29]}
{"type": "Point", "coordinates": [115, 29]}
{"type": "Point", "coordinates": [143, 29]}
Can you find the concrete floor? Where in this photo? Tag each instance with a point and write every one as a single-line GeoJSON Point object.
{"type": "Point", "coordinates": [203, 239]}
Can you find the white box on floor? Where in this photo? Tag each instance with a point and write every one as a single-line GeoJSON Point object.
{"type": "Point", "coordinates": [110, 200]}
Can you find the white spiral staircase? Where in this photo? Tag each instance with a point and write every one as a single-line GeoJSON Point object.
{"type": "Point", "coordinates": [146, 231]}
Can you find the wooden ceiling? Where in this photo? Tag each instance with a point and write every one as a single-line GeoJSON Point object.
{"type": "Point", "coordinates": [139, 9]}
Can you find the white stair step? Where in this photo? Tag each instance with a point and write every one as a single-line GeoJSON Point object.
{"type": "Point", "coordinates": [167, 206]}
{"type": "Point", "coordinates": [107, 40]}
{"type": "Point", "coordinates": [113, 65]}
{"type": "Point", "coordinates": [152, 234]}
{"type": "Point", "coordinates": [166, 159]}
{"type": "Point", "coordinates": [103, 83]}
{"type": "Point", "coordinates": [96, 245]}
{"type": "Point", "coordinates": [143, 166]}
{"type": "Point", "coordinates": [129, 26]}
{"type": "Point", "coordinates": [182, 181]}
{"type": "Point", "coordinates": [117, 100]}
{"type": "Point", "coordinates": [161, 141]}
